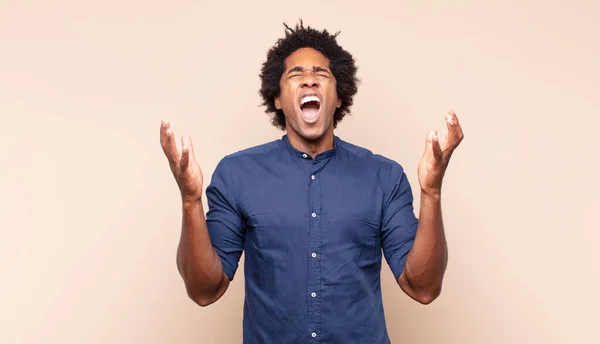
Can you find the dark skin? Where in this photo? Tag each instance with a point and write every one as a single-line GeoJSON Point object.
{"type": "Point", "coordinates": [307, 72]}
{"type": "Point", "coordinates": [426, 263]}
{"type": "Point", "coordinates": [198, 263]}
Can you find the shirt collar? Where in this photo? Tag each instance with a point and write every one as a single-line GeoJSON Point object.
{"type": "Point", "coordinates": [305, 156]}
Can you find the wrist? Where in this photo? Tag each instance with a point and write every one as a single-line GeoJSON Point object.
{"type": "Point", "coordinates": [431, 194]}
{"type": "Point", "coordinates": [191, 202]}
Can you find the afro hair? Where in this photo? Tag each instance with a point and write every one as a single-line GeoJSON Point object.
{"type": "Point", "coordinates": [342, 66]}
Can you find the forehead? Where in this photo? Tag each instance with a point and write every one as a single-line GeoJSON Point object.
{"type": "Point", "coordinates": [307, 58]}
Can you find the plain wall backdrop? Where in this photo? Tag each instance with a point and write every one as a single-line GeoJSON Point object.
{"type": "Point", "coordinates": [90, 213]}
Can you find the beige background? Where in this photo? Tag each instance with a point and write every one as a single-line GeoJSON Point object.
{"type": "Point", "coordinates": [90, 213]}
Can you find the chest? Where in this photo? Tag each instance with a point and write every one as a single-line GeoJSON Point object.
{"type": "Point", "coordinates": [294, 208]}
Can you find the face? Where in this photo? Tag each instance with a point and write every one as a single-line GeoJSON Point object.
{"type": "Point", "coordinates": [308, 95]}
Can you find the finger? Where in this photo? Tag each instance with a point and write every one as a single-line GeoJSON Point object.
{"type": "Point", "coordinates": [428, 141]}
{"type": "Point", "coordinates": [168, 142]}
{"type": "Point", "coordinates": [185, 153]}
{"type": "Point", "coordinates": [164, 125]}
{"type": "Point", "coordinates": [191, 148]}
{"type": "Point", "coordinates": [432, 145]}
{"type": "Point", "coordinates": [455, 134]}
{"type": "Point", "coordinates": [435, 145]}
{"type": "Point", "coordinates": [446, 144]}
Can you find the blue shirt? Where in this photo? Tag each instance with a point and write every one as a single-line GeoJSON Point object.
{"type": "Point", "coordinates": [313, 232]}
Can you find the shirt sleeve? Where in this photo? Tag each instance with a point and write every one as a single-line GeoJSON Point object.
{"type": "Point", "coordinates": [399, 223]}
{"type": "Point", "coordinates": [224, 220]}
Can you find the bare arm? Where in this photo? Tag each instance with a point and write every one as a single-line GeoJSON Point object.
{"type": "Point", "coordinates": [197, 261]}
{"type": "Point", "coordinates": [426, 263]}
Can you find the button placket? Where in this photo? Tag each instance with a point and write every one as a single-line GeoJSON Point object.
{"type": "Point", "coordinates": [314, 272]}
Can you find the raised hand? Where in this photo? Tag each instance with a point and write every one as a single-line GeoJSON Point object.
{"type": "Point", "coordinates": [184, 166]}
{"type": "Point", "coordinates": [437, 155]}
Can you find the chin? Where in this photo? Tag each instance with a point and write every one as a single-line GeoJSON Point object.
{"type": "Point", "coordinates": [312, 132]}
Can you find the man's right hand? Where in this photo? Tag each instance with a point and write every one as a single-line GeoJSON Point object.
{"type": "Point", "coordinates": [184, 166]}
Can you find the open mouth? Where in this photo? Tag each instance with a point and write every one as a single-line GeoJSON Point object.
{"type": "Point", "coordinates": [309, 106]}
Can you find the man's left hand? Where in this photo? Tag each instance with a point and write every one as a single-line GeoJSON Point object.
{"type": "Point", "coordinates": [437, 155]}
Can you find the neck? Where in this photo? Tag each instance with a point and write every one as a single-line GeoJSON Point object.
{"type": "Point", "coordinates": [312, 147]}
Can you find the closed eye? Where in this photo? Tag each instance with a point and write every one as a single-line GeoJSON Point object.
{"type": "Point", "coordinates": [297, 71]}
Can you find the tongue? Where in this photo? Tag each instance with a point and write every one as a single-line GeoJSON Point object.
{"type": "Point", "coordinates": [310, 110]}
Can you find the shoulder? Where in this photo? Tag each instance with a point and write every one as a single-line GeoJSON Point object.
{"type": "Point", "coordinates": [252, 152]}
{"type": "Point", "coordinates": [244, 161]}
{"type": "Point", "coordinates": [373, 160]}
{"type": "Point", "coordinates": [389, 174]}
{"type": "Point", "coordinates": [259, 149]}
{"type": "Point", "coordinates": [239, 163]}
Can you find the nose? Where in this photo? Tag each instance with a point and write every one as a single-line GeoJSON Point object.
{"type": "Point", "coordinates": [309, 80]}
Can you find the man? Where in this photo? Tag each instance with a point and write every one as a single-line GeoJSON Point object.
{"type": "Point", "coordinates": [312, 212]}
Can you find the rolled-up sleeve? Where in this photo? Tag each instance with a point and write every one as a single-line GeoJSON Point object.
{"type": "Point", "coordinates": [399, 223]}
{"type": "Point", "coordinates": [225, 223]}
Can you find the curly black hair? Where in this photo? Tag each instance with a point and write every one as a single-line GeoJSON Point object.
{"type": "Point", "coordinates": [342, 66]}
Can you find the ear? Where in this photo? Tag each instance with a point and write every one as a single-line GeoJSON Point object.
{"type": "Point", "coordinates": [339, 103]}
{"type": "Point", "coordinates": [277, 103]}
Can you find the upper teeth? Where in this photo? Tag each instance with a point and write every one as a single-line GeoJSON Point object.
{"type": "Point", "coordinates": [307, 99]}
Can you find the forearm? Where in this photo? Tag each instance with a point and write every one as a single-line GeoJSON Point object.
{"type": "Point", "coordinates": [426, 262]}
{"type": "Point", "coordinates": [197, 261]}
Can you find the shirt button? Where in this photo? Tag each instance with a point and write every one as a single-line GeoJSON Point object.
{"type": "Point", "coordinates": [312, 177]}
{"type": "Point", "coordinates": [313, 294]}
{"type": "Point", "coordinates": [314, 255]}
{"type": "Point", "coordinates": [313, 335]}
{"type": "Point", "coordinates": [313, 215]}
{"type": "Point", "coordinates": [305, 155]}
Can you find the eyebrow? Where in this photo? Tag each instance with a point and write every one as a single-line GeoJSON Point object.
{"type": "Point", "coordinates": [300, 69]}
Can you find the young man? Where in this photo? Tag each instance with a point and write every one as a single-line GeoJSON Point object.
{"type": "Point", "coordinates": [312, 212]}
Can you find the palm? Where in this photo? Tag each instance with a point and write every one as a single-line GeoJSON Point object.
{"type": "Point", "coordinates": [190, 179]}
{"type": "Point", "coordinates": [437, 155]}
{"type": "Point", "coordinates": [184, 166]}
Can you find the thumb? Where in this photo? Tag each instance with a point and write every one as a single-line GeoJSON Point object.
{"type": "Point", "coordinates": [185, 152]}
{"type": "Point", "coordinates": [429, 141]}
{"type": "Point", "coordinates": [432, 145]}
{"type": "Point", "coordinates": [191, 147]}
{"type": "Point", "coordinates": [435, 145]}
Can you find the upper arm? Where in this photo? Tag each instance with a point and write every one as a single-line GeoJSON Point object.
{"type": "Point", "coordinates": [224, 220]}
{"type": "Point", "coordinates": [399, 223]}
